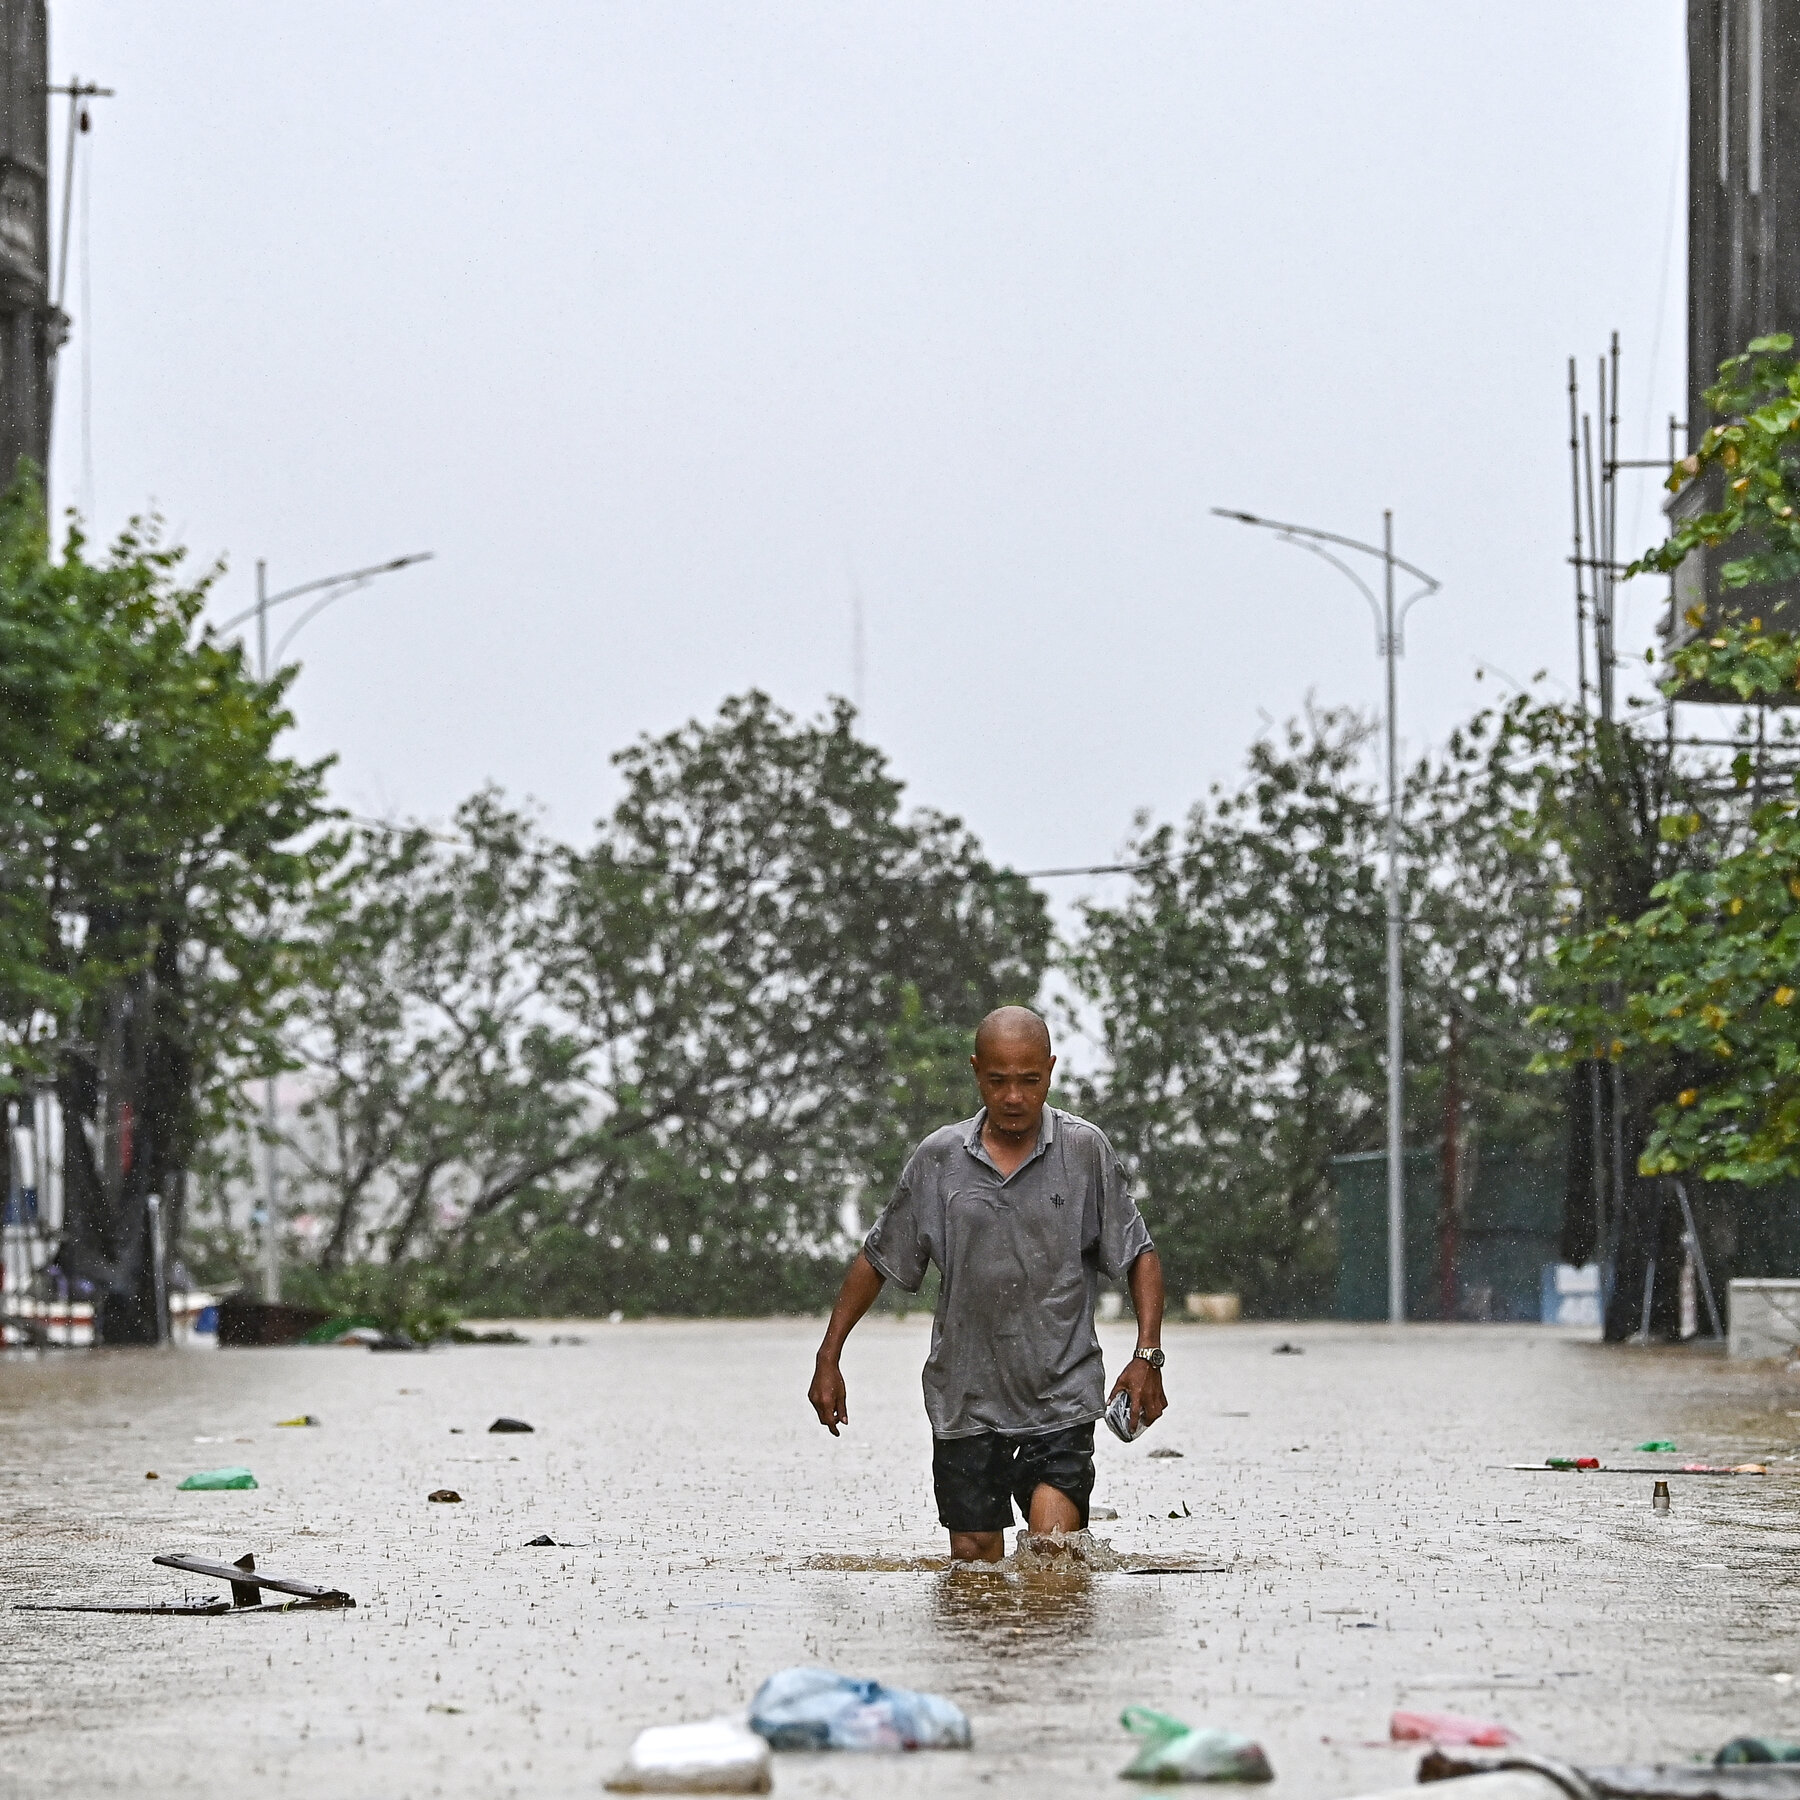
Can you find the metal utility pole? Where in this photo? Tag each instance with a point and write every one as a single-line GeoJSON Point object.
{"type": "Point", "coordinates": [76, 90]}
{"type": "Point", "coordinates": [271, 1163]}
{"type": "Point", "coordinates": [1396, 1000]}
{"type": "Point", "coordinates": [330, 588]}
{"type": "Point", "coordinates": [1389, 625]}
{"type": "Point", "coordinates": [1594, 471]}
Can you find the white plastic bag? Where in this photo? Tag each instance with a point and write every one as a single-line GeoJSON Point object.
{"type": "Point", "coordinates": [817, 1709]}
{"type": "Point", "coordinates": [1173, 1751]}
{"type": "Point", "coordinates": [717, 1756]}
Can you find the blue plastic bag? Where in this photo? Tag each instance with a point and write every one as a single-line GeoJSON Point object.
{"type": "Point", "coordinates": [814, 1709]}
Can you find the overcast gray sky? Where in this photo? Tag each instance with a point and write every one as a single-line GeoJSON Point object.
{"type": "Point", "coordinates": [666, 325]}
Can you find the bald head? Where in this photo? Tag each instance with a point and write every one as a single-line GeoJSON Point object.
{"type": "Point", "coordinates": [1013, 1026]}
{"type": "Point", "coordinates": [1013, 1066]}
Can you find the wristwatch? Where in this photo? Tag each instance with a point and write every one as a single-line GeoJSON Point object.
{"type": "Point", "coordinates": [1153, 1357]}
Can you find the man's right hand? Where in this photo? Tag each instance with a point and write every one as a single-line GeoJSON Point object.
{"type": "Point", "coordinates": [827, 1394]}
{"type": "Point", "coordinates": [862, 1282]}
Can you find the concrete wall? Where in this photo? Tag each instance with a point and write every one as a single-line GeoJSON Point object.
{"type": "Point", "coordinates": [1763, 1318]}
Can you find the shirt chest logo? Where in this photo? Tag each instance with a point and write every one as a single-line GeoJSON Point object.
{"type": "Point", "coordinates": [1056, 1199]}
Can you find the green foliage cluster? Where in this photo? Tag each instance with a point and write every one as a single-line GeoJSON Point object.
{"type": "Point", "coordinates": [1240, 991]}
{"type": "Point", "coordinates": [1694, 979]}
{"type": "Point", "coordinates": [648, 1073]}
{"type": "Point", "coordinates": [421, 1299]}
{"type": "Point", "coordinates": [1751, 460]}
{"type": "Point", "coordinates": [148, 836]}
{"type": "Point", "coordinates": [672, 1069]}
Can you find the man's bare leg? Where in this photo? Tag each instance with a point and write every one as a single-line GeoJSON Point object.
{"type": "Point", "coordinates": [978, 1546]}
{"type": "Point", "coordinates": [1052, 1510]}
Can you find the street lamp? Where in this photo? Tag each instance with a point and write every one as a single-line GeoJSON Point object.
{"type": "Point", "coordinates": [1389, 644]}
{"type": "Point", "coordinates": [329, 588]}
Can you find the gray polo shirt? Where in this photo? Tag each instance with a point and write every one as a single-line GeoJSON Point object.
{"type": "Point", "coordinates": [1012, 1346]}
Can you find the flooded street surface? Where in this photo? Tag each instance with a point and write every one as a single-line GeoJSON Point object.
{"type": "Point", "coordinates": [1375, 1557]}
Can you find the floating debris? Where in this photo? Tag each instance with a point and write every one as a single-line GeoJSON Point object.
{"type": "Point", "coordinates": [1757, 1750]}
{"type": "Point", "coordinates": [213, 1481]}
{"type": "Point", "coordinates": [1448, 1728]}
{"type": "Point", "coordinates": [817, 1709]}
{"type": "Point", "coordinates": [247, 1584]}
{"type": "Point", "coordinates": [1588, 1466]}
{"type": "Point", "coordinates": [1174, 1751]}
{"type": "Point", "coordinates": [717, 1756]}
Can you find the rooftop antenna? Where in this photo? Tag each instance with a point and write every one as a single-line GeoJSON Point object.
{"type": "Point", "coordinates": [858, 648]}
{"type": "Point", "coordinates": [1579, 561]}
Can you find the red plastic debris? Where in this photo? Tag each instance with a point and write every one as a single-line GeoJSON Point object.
{"type": "Point", "coordinates": [1448, 1728]}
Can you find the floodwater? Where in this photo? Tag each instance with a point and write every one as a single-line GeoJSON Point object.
{"type": "Point", "coordinates": [1374, 1557]}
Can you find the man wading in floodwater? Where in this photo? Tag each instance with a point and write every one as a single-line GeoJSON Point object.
{"type": "Point", "coordinates": [1023, 1208]}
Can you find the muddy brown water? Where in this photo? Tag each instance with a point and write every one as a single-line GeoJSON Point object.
{"type": "Point", "coordinates": [1375, 1558]}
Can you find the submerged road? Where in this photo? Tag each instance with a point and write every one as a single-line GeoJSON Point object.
{"type": "Point", "coordinates": [1375, 1558]}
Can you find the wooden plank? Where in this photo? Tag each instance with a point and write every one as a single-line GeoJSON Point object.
{"type": "Point", "coordinates": [1629, 1469]}
{"type": "Point", "coordinates": [252, 1577]}
{"type": "Point", "coordinates": [182, 1608]}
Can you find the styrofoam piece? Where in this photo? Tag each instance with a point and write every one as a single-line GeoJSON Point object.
{"type": "Point", "coordinates": [716, 1756]}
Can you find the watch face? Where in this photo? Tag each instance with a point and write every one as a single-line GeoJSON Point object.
{"type": "Point", "coordinates": [1153, 1357]}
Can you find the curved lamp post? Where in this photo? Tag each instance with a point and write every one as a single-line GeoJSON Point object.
{"type": "Point", "coordinates": [1389, 645]}
{"type": "Point", "coordinates": [328, 588]}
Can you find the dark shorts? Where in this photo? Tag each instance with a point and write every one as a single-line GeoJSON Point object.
{"type": "Point", "coordinates": [978, 1478]}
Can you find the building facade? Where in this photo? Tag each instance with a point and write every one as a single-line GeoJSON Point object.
{"type": "Point", "coordinates": [1743, 235]}
{"type": "Point", "coordinates": [30, 327]}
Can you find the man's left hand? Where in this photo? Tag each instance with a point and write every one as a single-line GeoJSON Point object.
{"type": "Point", "coordinates": [1145, 1386]}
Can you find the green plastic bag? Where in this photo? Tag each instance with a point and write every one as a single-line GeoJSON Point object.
{"type": "Point", "coordinates": [1173, 1751]}
{"type": "Point", "coordinates": [212, 1480]}
{"type": "Point", "coordinates": [1656, 1447]}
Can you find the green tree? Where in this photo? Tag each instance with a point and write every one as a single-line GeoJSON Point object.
{"type": "Point", "coordinates": [148, 831]}
{"type": "Point", "coordinates": [658, 1072]}
{"type": "Point", "coordinates": [1698, 978]}
{"type": "Point", "coordinates": [754, 946]}
{"type": "Point", "coordinates": [440, 1085]}
{"type": "Point", "coordinates": [1241, 995]}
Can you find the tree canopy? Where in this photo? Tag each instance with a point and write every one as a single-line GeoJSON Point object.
{"type": "Point", "coordinates": [653, 1070]}
{"type": "Point", "coordinates": [148, 835]}
{"type": "Point", "coordinates": [1696, 977]}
